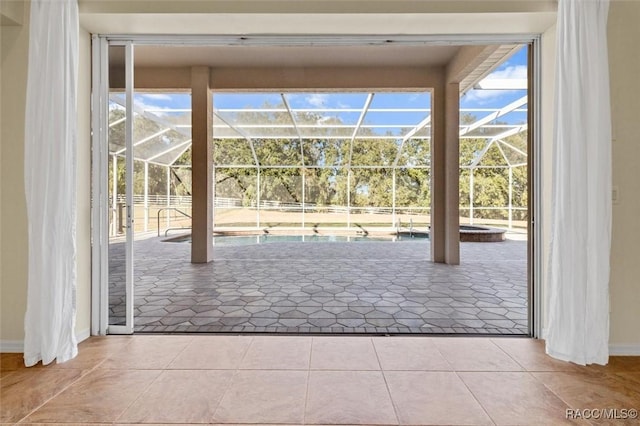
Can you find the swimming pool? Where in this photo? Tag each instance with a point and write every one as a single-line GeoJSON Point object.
{"type": "Point", "coordinates": [276, 238]}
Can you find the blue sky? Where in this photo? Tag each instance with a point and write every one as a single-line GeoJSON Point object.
{"type": "Point", "coordinates": [514, 68]}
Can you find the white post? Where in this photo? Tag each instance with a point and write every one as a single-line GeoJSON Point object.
{"type": "Point", "coordinates": [349, 198]}
{"type": "Point", "coordinates": [258, 201]}
{"type": "Point", "coordinates": [393, 198]}
{"type": "Point", "coordinates": [114, 195]}
{"type": "Point", "coordinates": [146, 196]}
{"type": "Point", "coordinates": [167, 215]}
{"type": "Point", "coordinates": [303, 191]}
{"type": "Point", "coordinates": [510, 197]}
{"type": "Point", "coordinates": [213, 210]}
{"type": "Point", "coordinates": [471, 196]}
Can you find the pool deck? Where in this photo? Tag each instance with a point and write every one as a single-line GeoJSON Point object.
{"type": "Point", "coordinates": [329, 287]}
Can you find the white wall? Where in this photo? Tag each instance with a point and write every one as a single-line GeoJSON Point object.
{"type": "Point", "coordinates": [624, 59]}
{"type": "Point", "coordinates": [15, 44]}
{"type": "Point", "coordinates": [83, 226]}
{"type": "Point", "coordinates": [548, 50]}
{"type": "Point", "coordinates": [13, 220]}
{"type": "Point", "coordinates": [624, 40]}
{"type": "Point", "coordinates": [624, 65]}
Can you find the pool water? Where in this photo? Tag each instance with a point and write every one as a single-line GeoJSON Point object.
{"type": "Point", "coordinates": [268, 238]}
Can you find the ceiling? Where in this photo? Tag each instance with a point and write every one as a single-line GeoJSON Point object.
{"type": "Point", "coordinates": [254, 17]}
{"type": "Point", "coordinates": [289, 56]}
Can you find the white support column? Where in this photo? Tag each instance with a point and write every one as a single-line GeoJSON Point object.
{"type": "Point", "coordinates": [146, 196]}
{"type": "Point", "coordinates": [114, 196]}
{"type": "Point", "coordinates": [303, 197]}
{"type": "Point", "coordinates": [393, 198]}
{"type": "Point", "coordinates": [167, 214]}
{"type": "Point", "coordinates": [445, 178]}
{"type": "Point", "coordinates": [349, 198]}
{"type": "Point", "coordinates": [258, 200]}
{"type": "Point", "coordinates": [213, 200]}
{"type": "Point", "coordinates": [452, 174]}
{"type": "Point", "coordinates": [471, 195]}
{"type": "Point", "coordinates": [510, 197]}
{"type": "Point", "coordinates": [202, 166]}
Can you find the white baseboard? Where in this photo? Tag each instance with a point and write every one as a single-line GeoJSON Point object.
{"type": "Point", "coordinates": [615, 349]}
{"type": "Point", "coordinates": [83, 335]}
{"type": "Point", "coordinates": [624, 350]}
{"type": "Point", "coordinates": [11, 346]}
{"type": "Point", "coordinates": [17, 346]}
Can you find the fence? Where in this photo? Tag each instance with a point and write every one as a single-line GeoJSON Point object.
{"type": "Point", "coordinates": [232, 212]}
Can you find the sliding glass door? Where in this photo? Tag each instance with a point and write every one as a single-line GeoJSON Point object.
{"type": "Point", "coordinates": [112, 188]}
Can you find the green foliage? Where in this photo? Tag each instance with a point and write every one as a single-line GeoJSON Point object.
{"type": "Point", "coordinates": [323, 164]}
{"type": "Point", "coordinates": [490, 167]}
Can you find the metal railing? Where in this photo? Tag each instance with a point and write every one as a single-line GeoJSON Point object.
{"type": "Point", "coordinates": [174, 203]}
{"type": "Point", "coordinates": [166, 232]}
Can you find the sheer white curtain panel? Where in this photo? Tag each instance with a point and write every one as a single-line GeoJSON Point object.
{"type": "Point", "coordinates": [50, 181]}
{"type": "Point", "coordinates": [577, 326]}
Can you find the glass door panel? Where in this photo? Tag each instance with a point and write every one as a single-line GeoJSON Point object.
{"type": "Point", "coordinates": [120, 172]}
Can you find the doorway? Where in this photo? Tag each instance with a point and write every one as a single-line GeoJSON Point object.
{"type": "Point", "coordinates": [280, 188]}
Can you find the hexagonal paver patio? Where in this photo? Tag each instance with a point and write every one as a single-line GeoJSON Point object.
{"type": "Point", "coordinates": [356, 287]}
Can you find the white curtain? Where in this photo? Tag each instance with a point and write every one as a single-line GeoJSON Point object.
{"type": "Point", "coordinates": [578, 290]}
{"type": "Point", "coordinates": [50, 181]}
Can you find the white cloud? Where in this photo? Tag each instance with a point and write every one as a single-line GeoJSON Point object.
{"type": "Point", "coordinates": [154, 109]}
{"type": "Point", "coordinates": [483, 97]}
{"type": "Point", "coordinates": [139, 105]}
{"type": "Point", "coordinates": [515, 72]}
{"type": "Point", "coordinates": [317, 100]}
{"type": "Point", "coordinates": [157, 97]}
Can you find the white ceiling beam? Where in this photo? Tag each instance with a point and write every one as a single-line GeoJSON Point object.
{"type": "Point", "coordinates": [295, 125]}
{"type": "Point", "coordinates": [495, 115]}
{"type": "Point", "coordinates": [502, 153]}
{"type": "Point", "coordinates": [241, 133]}
{"type": "Point", "coordinates": [519, 151]}
{"type": "Point", "coordinates": [145, 140]}
{"type": "Point", "coordinates": [482, 153]}
{"type": "Point", "coordinates": [118, 99]}
{"type": "Point", "coordinates": [411, 133]}
{"type": "Point", "coordinates": [510, 132]}
{"type": "Point", "coordinates": [502, 84]}
{"type": "Point", "coordinates": [363, 113]}
{"type": "Point", "coordinates": [167, 151]}
{"type": "Point", "coordinates": [118, 121]}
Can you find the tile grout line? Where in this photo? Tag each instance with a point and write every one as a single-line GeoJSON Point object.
{"type": "Point", "coordinates": [236, 371]}
{"type": "Point", "coordinates": [191, 340]}
{"type": "Point", "coordinates": [136, 399]}
{"type": "Point", "coordinates": [246, 351]}
{"type": "Point", "coordinates": [161, 371]}
{"type": "Point", "coordinates": [306, 397]}
{"type": "Point", "coordinates": [386, 384]}
{"type": "Point", "coordinates": [508, 355]}
{"type": "Point", "coordinates": [435, 345]}
{"type": "Point", "coordinates": [229, 382]}
{"type": "Point", "coordinates": [474, 395]}
{"type": "Point", "coordinates": [82, 375]}
{"type": "Point", "coordinates": [549, 389]}
{"type": "Point", "coordinates": [456, 372]}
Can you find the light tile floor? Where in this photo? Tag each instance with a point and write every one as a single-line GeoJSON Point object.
{"type": "Point", "coordinates": [204, 379]}
{"type": "Point", "coordinates": [359, 287]}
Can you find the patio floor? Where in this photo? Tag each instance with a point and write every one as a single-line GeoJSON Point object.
{"type": "Point", "coordinates": [354, 287]}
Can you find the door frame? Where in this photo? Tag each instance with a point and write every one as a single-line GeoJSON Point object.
{"type": "Point", "coordinates": [99, 189]}
{"type": "Point", "coordinates": [99, 120]}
